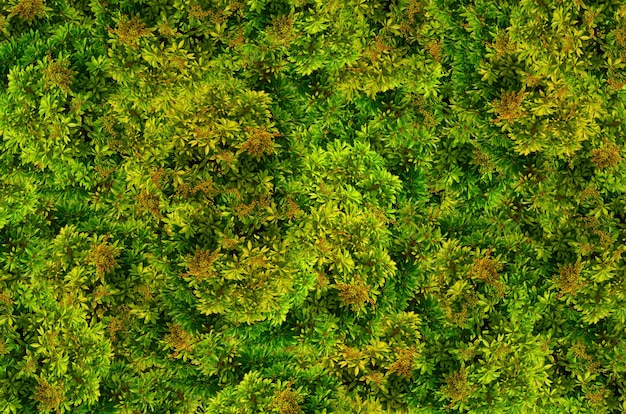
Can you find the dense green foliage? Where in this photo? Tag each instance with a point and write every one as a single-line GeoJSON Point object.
{"type": "Point", "coordinates": [351, 206]}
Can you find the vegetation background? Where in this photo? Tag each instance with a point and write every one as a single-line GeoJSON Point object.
{"type": "Point", "coordinates": [343, 206]}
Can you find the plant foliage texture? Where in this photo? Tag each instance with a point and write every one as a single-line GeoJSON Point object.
{"type": "Point", "coordinates": [307, 206]}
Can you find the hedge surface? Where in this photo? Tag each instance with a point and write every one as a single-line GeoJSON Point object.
{"type": "Point", "coordinates": [293, 206]}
